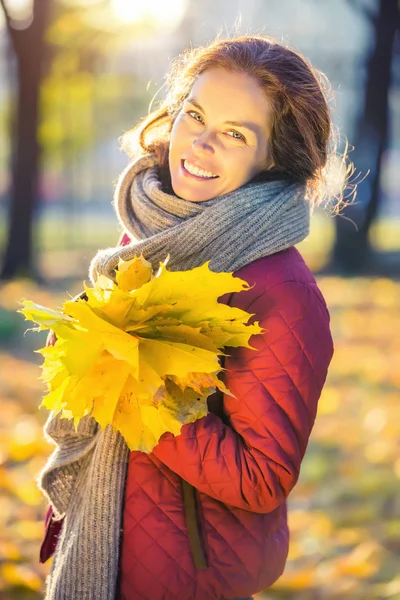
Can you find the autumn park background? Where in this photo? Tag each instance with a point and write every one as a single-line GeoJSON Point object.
{"type": "Point", "coordinates": [75, 74]}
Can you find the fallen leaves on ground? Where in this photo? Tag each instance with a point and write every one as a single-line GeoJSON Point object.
{"type": "Point", "coordinates": [344, 513]}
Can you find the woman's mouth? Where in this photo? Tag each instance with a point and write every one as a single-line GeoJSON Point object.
{"type": "Point", "coordinates": [192, 171]}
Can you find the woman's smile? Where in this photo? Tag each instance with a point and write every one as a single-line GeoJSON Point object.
{"type": "Point", "coordinates": [195, 172]}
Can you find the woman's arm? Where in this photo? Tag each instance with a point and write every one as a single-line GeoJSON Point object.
{"type": "Point", "coordinates": [64, 463]}
{"type": "Point", "coordinates": [255, 463]}
{"type": "Point", "coordinates": [57, 479]}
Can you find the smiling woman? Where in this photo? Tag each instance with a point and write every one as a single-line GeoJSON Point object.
{"type": "Point", "coordinates": [156, 12]}
{"type": "Point", "coordinates": [225, 171]}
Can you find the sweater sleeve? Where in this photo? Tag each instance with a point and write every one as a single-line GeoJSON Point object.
{"type": "Point", "coordinates": [253, 462]}
{"type": "Point", "coordinates": [58, 477]}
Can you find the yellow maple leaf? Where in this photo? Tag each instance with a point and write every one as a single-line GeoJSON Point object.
{"type": "Point", "coordinates": [143, 425]}
{"type": "Point", "coordinates": [167, 357]}
{"type": "Point", "coordinates": [109, 377]}
{"type": "Point", "coordinates": [46, 318]}
{"type": "Point", "coordinates": [116, 341]}
{"type": "Point", "coordinates": [133, 274]}
{"type": "Point", "coordinates": [184, 289]}
{"type": "Point", "coordinates": [141, 353]}
{"type": "Point", "coordinates": [200, 382]}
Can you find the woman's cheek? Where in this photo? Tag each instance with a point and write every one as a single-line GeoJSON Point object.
{"type": "Point", "coordinates": [182, 130]}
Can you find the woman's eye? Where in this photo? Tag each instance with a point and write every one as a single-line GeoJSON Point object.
{"type": "Point", "coordinates": [194, 115]}
{"type": "Point", "coordinates": [237, 136]}
{"type": "Point", "coordinates": [197, 117]}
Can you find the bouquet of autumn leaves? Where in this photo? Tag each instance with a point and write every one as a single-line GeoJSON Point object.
{"type": "Point", "coordinates": [141, 353]}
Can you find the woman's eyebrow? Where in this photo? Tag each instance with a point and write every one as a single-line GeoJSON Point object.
{"type": "Point", "coordinates": [246, 125]}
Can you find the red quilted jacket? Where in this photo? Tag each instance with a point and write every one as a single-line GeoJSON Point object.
{"type": "Point", "coordinates": [205, 514]}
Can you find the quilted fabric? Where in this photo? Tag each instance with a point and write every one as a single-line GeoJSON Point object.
{"type": "Point", "coordinates": [243, 458]}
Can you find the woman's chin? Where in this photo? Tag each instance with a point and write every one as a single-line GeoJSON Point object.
{"type": "Point", "coordinates": [187, 193]}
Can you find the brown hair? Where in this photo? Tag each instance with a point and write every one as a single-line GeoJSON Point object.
{"type": "Point", "coordinates": [302, 141]}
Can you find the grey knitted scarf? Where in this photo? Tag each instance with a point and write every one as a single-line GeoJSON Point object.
{"type": "Point", "coordinates": [84, 478]}
{"type": "Point", "coordinates": [231, 230]}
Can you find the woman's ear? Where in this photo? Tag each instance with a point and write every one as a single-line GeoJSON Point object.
{"type": "Point", "coordinates": [269, 163]}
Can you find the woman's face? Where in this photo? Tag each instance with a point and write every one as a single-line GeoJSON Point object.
{"type": "Point", "coordinates": [220, 137]}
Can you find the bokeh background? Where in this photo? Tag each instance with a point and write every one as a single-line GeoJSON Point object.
{"type": "Point", "coordinates": [76, 74]}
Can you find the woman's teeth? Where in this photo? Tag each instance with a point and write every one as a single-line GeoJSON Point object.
{"type": "Point", "coordinates": [198, 172]}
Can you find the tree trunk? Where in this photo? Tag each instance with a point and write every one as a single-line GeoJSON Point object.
{"type": "Point", "coordinates": [29, 48]}
{"type": "Point", "coordinates": [352, 252]}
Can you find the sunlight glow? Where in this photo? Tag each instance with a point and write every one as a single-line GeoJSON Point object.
{"type": "Point", "coordinates": [19, 10]}
{"type": "Point", "coordinates": [165, 13]}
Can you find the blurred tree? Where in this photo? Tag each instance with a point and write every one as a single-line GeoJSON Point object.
{"type": "Point", "coordinates": [61, 52]}
{"type": "Point", "coordinates": [28, 44]}
{"type": "Point", "coordinates": [352, 251]}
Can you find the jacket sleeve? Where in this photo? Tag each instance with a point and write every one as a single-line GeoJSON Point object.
{"type": "Point", "coordinates": [254, 462]}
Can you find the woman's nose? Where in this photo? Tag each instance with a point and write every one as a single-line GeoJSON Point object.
{"type": "Point", "coordinates": [203, 143]}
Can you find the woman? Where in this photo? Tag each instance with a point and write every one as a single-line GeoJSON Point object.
{"type": "Point", "coordinates": [226, 170]}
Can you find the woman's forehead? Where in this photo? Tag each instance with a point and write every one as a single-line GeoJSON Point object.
{"type": "Point", "coordinates": [235, 96]}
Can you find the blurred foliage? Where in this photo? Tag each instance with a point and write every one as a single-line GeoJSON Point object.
{"type": "Point", "coordinates": [79, 92]}
{"type": "Point", "coordinates": [345, 510]}
{"type": "Point", "coordinates": [67, 124]}
{"type": "Point", "coordinates": [76, 107]}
